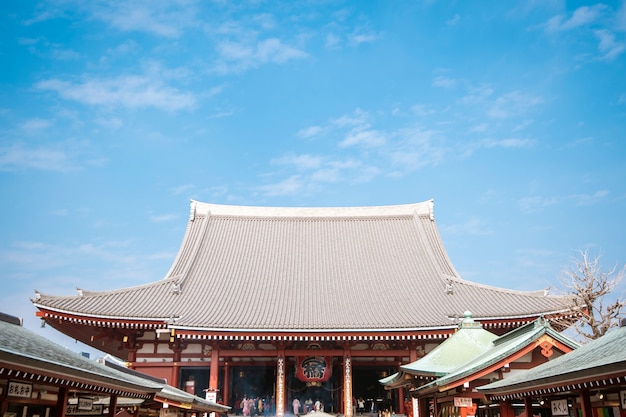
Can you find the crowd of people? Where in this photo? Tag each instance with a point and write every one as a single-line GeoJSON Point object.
{"type": "Point", "coordinates": [258, 406]}
{"type": "Point", "coordinates": [266, 406]}
{"type": "Point", "coordinates": [307, 407]}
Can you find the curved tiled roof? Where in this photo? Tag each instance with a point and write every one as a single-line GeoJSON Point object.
{"type": "Point", "coordinates": [309, 269]}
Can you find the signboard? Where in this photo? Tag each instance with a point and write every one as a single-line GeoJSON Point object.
{"type": "Point", "coordinates": [559, 408]}
{"type": "Point", "coordinates": [622, 399]}
{"type": "Point", "coordinates": [74, 410]}
{"type": "Point", "coordinates": [85, 404]}
{"type": "Point", "coordinates": [314, 368]}
{"type": "Point", "coordinates": [19, 389]}
{"type": "Point", "coordinates": [462, 401]}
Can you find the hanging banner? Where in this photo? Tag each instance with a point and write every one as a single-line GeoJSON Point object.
{"type": "Point", "coordinates": [313, 368]}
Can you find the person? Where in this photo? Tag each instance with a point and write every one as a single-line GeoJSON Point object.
{"type": "Point", "coordinates": [245, 405]}
{"type": "Point", "coordinates": [296, 406]}
{"type": "Point", "coordinates": [318, 405]}
{"type": "Point", "coordinates": [308, 405]}
{"type": "Point", "coordinates": [266, 407]}
{"type": "Point", "coordinates": [361, 405]}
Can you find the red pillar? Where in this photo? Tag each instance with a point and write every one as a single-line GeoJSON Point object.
{"type": "Point", "coordinates": [226, 390]}
{"type": "Point", "coordinates": [528, 406]}
{"type": "Point", "coordinates": [62, 399]}
{"type": "Point", "coordinates": [585, 403]}
{"type": "Point", "coordinates": [215, 367]}
{"type": "Point", "coordinates": [506, 409]}
{"type": "Point", "coordinates": [280, 383]}
{"type": "Point", "coordinates": [347, 385]}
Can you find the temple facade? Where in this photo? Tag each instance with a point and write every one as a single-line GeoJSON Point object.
{"type": "Point", "coordinates": [281, 304]}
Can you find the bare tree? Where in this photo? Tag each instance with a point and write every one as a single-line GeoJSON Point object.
{"type": "Point", "coordinates": [588, 284]}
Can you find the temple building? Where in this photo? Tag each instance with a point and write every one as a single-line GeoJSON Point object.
{"type": "Point", "coordinates": [279, 304]}
{"type": "Point", "coordinates": [446, 382]}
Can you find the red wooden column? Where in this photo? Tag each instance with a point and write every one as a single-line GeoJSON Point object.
{"type": "Point", "coordinates": [62, 400]}
{"type": "Point", "coordinates": [226, 392]}
{"type": "Point", "coordinates": [347, 385]}
{"type": "Point", "coordinates": [112, 405]}
{"type": "Point", "coordinates": [401, 409]}
{"type": "Point", "coordinates": [215, 367]}
{"type": "Point", "coordinates": [506, 409]}
{"type": "Point", "coordinates": [528, 405]}
{"type": "Point", "coordinates": [280, 383]}
{"type": "Point", "coordinates": [585, 403]}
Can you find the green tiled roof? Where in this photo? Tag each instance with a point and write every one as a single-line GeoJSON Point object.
{"type": "Point", "coordinates": [601, 357]}
{"type": "Point", "coordinates": [504, 347]}
{"type": "Point", "coordinates": [469, 341]}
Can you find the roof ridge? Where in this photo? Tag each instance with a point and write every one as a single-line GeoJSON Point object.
{"type": "Point", "coordinates": [423, 208]}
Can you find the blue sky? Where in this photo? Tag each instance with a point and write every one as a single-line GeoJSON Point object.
{"type": "Point", "coordinates": [114, 114]}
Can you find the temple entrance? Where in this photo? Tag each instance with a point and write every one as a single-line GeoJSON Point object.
{"type": "Point", "coordinates": [322, 397]}
{"type": "Point", "coordinates": [365, 386]}
{"type": "Point", "coordinates": [253, 382]}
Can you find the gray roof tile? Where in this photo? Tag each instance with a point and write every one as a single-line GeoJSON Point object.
{"type": "Point", "coordinates": [309, 269]}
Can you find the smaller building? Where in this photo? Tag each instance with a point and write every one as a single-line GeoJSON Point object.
{"type": "Point", "coordinates": [445, 382]}
{"type": "Point", "coordinates": [41, 379]}
{"type": "Point", "coordinates": [588, 382]}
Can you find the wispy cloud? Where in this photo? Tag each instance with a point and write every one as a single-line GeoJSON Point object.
{"type": "Point", "coordinates": [360, 36]}
{"type": "Point", "coordinates": [35, 125]}
{"type": "Point", "coordinates": [165, 19]}
{"type": "Point", "coordinates": [19, 156]}
{"type": "Point", "coordinates": [513, 143]}
{"type": "Point", "coordinates": [364, 137]}
{"type": "Point", "coordinates": [302, 161]}
{"type": "Point", "coordinates": [515, 103]}
{"type": "Point", "coordinates": [536, 203]}
{"type": "Point", "coordinates": [472, 226]}
{"type": "Point", "coordinates": [444, 82]}
{"type": "Point", "coordinates": [608, 46]}
{"type": "Point", "coordinates": [129, 91]}
{"type": "Point", "coordinates": [235, 56]}
{"type": "Point", "coordinates": [453, 20]}
{"type": "Point", "coordinates": [289, 186]}
{"type": "Point", "coordinates": [161, 218]}
{"type": "Point", "coordinates": [310, 132]}
{"type": "Point", "coordinates": [584, 15]}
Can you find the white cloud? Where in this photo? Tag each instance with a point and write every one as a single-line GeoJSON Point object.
{"type": "Point", "coordinates": [369, 138]}
{"type": "Point", "coordinates": [454, 20]}
{"type": "Point", "coordinates": [608, 46]}
{"type": "Point", "coordinates": [473, 226]}
{"type": "Point", "coordinates": [166, 19]}
{"type": "Point", "coordinates": [332, 41]}
{"type": "Point", "coordinates": [239, 56]}
{"type": "Point", "coordinates": [512, 104]}
{"type": "Point", "coordinates": [536, 203]}
{"type": "Point", "coordinates": [35, 125]}
{"type": "Point", "coordinates": [479, 128]}
{"type": "Point", "coordinates": [357, 118]}
{"type": "Point", "coordinates": [589, 199]}
{"type": "Point", "coordinates": [18, 156]}
{"type": "Point", "coordinates": [356, 39]}
{"type": "Point", "coordinates": [444, 82]}
{"type": "Point", "coordinates": [162, 218]}
{"type": "Point", "coordinates": [508, 143]}
{"type": "Point", "coordinates": [303, 161]}
{"type": "Point", "coordinates": [311, 131]}
{"type": "Point", "coordinates": [291, 185]}
{"type": "Point", "coordinates": [126, 91]}
{"type": "Point", "coordinates": [582, 16]}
